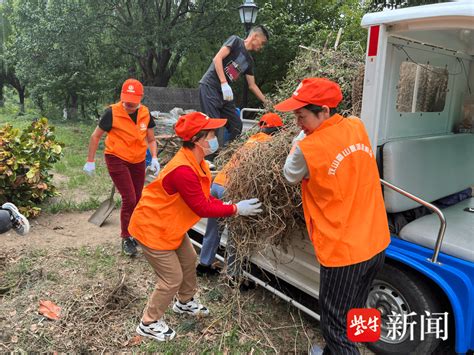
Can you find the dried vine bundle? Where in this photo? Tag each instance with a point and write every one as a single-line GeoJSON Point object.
{"type": "Point", "coordinates": [259, 174]}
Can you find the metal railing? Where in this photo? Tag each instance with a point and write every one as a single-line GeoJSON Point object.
{"type": "Point", "coordinates": [248, 109]}
{"type": "Point", "coordinates": [267, 286]}
{"type": "Point", "coordinates": [433, 208]}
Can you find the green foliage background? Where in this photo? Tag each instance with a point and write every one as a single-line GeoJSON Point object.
{"type": "Point", "coordinates": [75, 54]}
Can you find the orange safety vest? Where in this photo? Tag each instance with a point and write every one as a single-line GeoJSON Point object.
{"type": "Point", "coordinates": [160, 221]}
{"type": "Point", "coordinates": [126, 139]}
{"type": "Point", "coordinates": [221, 177]}
{"type": "Point", "coordinates": [342, 199]}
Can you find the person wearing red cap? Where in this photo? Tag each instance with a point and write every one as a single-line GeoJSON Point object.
{"type": "Point", "coordinates": [130, 130]}
{"type": "Point", "coordinates": [169, 207]}
{"type": "Point", "coordinates": [230, 63]}
{"type": "Point", "coordinates": [342, 202]}
{"type": "Point", "coordinates": [270, 123]}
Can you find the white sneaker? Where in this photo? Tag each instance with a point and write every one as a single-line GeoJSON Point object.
{"type": "Point", "coordinates": [158, 330]}
{"type": "Point", "coordinates": [20, 222]}
{"type": "Point", "coordinates": [192, 307]}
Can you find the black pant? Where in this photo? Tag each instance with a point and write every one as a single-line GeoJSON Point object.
{"type": "Point", "coordinates": [213, 105]}
{"type": "Point", "coordinates": [341, 289]}
{"type": "Point", "coordinates": [5, 221]}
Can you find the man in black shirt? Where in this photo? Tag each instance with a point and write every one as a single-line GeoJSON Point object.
{"type": "Point", "coordinates": [231, 61]}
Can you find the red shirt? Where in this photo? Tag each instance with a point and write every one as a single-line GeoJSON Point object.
{"type": "Point", "coordinates": [184, 181]}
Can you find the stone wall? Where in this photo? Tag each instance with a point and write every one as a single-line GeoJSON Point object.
{"type": "Point", "coordinates": [165, 99]}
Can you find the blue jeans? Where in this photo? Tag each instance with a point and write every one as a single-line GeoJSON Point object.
{"type": "Point", "coordinates": [212, 236]}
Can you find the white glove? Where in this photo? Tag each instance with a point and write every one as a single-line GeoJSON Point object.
{"type": "Point", "coordinates": [249, 207]}
{"type": "Point", "coordinates": [227, 92]}
{"type": "Point", "coordinates": [155, 166]}
{"type": "Point", "coordinates": [89, 168]}
{"type": "Point", "coordinates": [210, 165]}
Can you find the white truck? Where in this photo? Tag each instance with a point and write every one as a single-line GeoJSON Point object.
{"type": "Point", "coordinates": [417, 107]}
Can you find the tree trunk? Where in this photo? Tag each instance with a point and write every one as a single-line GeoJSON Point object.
{"type": "Point", "coordinates": [72, 106]}
{"type": "Point", "coordinates": [21, 96]}
{"type": "Point", "coordinates": [3, 81]}
{"type": "Point", "coordinates": [2, 98]}
{"type": "Point", "coordinates": [162, 74]}
{"type": "Point", "coordinates": [83, 110]}
{"type": "Point", "coordinates": [161, 79]}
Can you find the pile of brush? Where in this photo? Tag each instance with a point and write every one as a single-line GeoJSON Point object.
{"type": "Point", "coordinates": [259, 174]}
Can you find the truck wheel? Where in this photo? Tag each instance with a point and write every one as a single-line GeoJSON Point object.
{"type": "Point", "coordinates": [395, 291]}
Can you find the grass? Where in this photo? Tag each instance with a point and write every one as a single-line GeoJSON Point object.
{"type": "Point", "coordinates": [97, 260]}
{"type": "Point", "coordinates": [78, 191]}
{"type": "Point", "coordinates": [83, 282]}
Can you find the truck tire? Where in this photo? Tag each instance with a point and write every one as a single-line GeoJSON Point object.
{"type": "Point", "coordinates": [402, 292]}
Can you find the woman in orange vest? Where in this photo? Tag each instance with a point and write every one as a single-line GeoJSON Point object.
{"type": "Point", "coordinates": [169, 207]}
{"type": "Point", "coordinates": [270, 123]}
{"type": "Point", "coordinates": [342, 202]}
{"type": "Point", "coordinates": [130, 130]}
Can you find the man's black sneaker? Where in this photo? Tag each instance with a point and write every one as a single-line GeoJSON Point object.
{"type": "Point", "coordinates": [209, 270]}
{"type": "Point", "coordinates": [128, 246]}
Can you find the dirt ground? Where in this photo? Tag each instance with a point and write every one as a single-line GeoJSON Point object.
{"type": "Point", "coordinates": [79, 267]}
{"type": "Point", "coordinates": [69, 230]}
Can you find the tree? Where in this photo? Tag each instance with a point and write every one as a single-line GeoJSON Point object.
{"type": "Point", "coordinates": [56, 46]}
{"type": "Point", "coordinates": [309, 23]}
{"type": "Point", "coordinates": [75, 54]}
{"type": "Point", "coordinates": [7, 70]}
{"type": "Point", "coordinates": [161, 34]}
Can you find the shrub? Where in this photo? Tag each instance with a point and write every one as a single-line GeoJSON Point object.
{"type": "Point", "coordinates": [25, 160]}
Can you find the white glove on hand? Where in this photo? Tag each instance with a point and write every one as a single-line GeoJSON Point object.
{"type": "Point", "coordinates": [89, 168]}
{"type": "Point", "coordinates": [210, 165]}
{"type": "Point", "coordinates": [249, 207]}
{"type": "Point", "coordinates": [227, 92]}
{"type": "Point", "coordinates": [155, 166]}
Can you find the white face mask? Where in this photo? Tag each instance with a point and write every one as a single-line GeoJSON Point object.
{"type": "Point", "coordinates": [213, 146]}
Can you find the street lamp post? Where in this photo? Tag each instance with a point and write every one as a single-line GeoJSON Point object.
{"type": "Point", "coordinates": [248, 15]}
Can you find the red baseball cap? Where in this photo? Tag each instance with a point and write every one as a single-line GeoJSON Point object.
{"type": "Point", "coordinates": [316, 91]}
{"type": "Point", "coordinates": [190, 124]}
{"type": "Point", "coordinates": [132, 91]}
{"type": "Point", "coordinates": [270, 120]}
